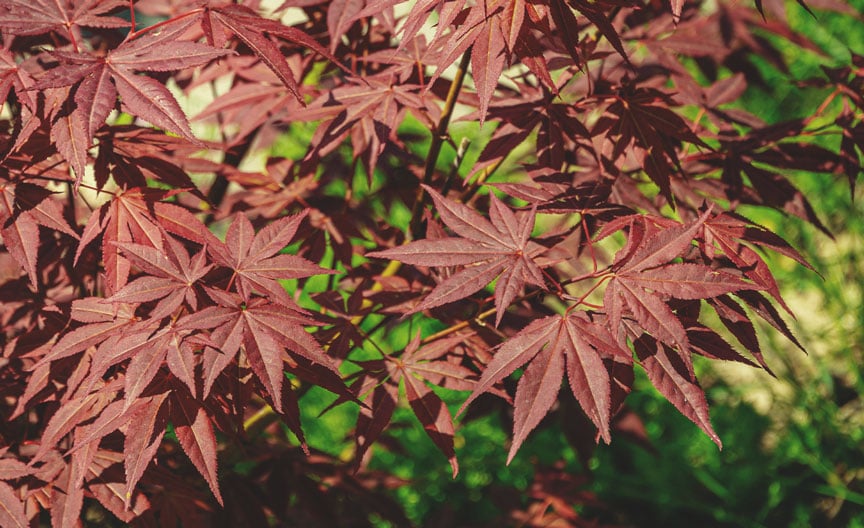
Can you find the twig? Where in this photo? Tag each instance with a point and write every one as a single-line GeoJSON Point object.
{"type": "Point", "coordinates": [438, 138]}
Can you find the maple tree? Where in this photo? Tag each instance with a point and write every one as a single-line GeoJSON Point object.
{"type": "Point", "coordinates": [174, 282]}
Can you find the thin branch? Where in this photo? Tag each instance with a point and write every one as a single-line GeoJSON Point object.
{"type": "Point", "coordinates": [135, 34]}
{"type": "Point", "coordinates": [438, 138]}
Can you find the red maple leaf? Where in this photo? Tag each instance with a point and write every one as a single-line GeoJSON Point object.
{"type": "Point", "coordinates": [552, 346]}
{"type": "Point", "coordinates": [416, 365]}
{"type": "Point", "coordinates": [645, 278]}
{"type": "Point", "coordinates": [94, 82]}
{"type": "Point", "coordinates": [23, 208]}
{"type": "Point", "coordinates": [256, 259]}
{"type": "Point", "coordinates": [127, 218]}
{"type": "Point", "coordinates": [488, 249]}
{"type": "Point", "coordinates": [262, 36]}
{"type": "Point", "coordinates": [271, 335]}
{"type": "Point", "coordinates": [34, 17]}
{"type": "Point", "coordinates": [369, 110]}
{"type": "Point", "coordinates": [171, 276]}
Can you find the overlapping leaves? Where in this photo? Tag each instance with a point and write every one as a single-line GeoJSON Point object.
{"type": "Point", "coordinates": [127, 314]}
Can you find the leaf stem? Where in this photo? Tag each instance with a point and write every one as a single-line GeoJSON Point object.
{"type": "Point", "coordinates": [581, 299]}
{"type": "Point", "coordinates": [477, 319]}
{"type": "Point", "coordinates": [135, 34]}
{"type": "Point", "coordinates": [132, 16]}
{"type": "Point", "coordinates": [592, 275]}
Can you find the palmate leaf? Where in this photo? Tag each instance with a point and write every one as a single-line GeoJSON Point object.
{"type": "Point", "coordinates": [644, 120]}
{"type": "Point", "coordinates": [551, 346]}
{"type": "Point", "coordinates": [560, 128]}
{"type": "Point", "coordinates": [129, 218]}
{"type": "Point", "coordinates": [96, 82]}
{"type": "Point", "coordinates": [255, 259]}
{"type": "Point", "coordinates": [197, 438]}
{"type": "Point", "coordinates": [260, 34]}
{"type": "Point", "coordinates": [676, 382]}
{"type": "Point", "coordinates": [415, 367]}
{"type": "Point", "coordinates": [164, 323]}
{"type": "Point", "coordinates": [645, 279]}
{"type": "Point", "coordinates": [269, 335]}
{"type": "Point", "coordinates": [172, 275]}
{"type": "Point", "coordinates": [488, 248]}
{"type": "Point", "coordinates": [369, 111]}
{"type": "Point", "coordinates": [729, 230]}
{"type": "Point", "coordinates": [34, 17]}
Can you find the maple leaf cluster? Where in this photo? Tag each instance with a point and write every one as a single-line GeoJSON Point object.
{"type": "Point", "coordinates": [175, 281]}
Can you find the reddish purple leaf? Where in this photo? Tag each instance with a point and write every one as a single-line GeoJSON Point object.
{"type": "Point", "coordinates": [434, 416]}
{"type": "Point", "coordinates": [11, 508]}
{"type": "Point", "coordinates": [195, 433]}
{"type": "Point", "coordinates": [673, 379]}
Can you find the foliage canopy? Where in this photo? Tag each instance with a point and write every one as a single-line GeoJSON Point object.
{"type": "Point", "coordinates": [174, 281]}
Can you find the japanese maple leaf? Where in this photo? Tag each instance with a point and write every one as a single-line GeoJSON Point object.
{"type": "Point", "coordinates": [256, 261]}
{"type": "Point", "coordinates": [102, 320]}
{"type": "Point", "coordinates": [260, 35]}
{"type": "Point", "coordinates": [135, 157]}
{"type": "Point", "coordinates": [171, 276]}
{"type": "Point", "coordinates": [480, 30]}
{"type": "Point", "coordinates": [552, 346]}
{"type": "Point", "coordinates": [561, 128]}
{"type": "Point", "coordinates": [129, 217]}
{"type": "Point", "coordinates": [97, 81]}
{"type": "Point", "coordinates": [729, 230]}
{"type": "Point", "coordinates": [269, 334]}
{"type": "Point", "coordinates": [645, 278]}
{"type": "Point", "coordinates": [495, 32]}
{"type": "Point", "coordinates": [251, 103]}
{"type": "Point", "coordinates": [34, 17]}
{"type": "Point", "coordinates": [641, 117]}
{"type": "Point", "coordinates": [417, 365]}
{"type": "Point", "coordinates": [370, 111]}
{"type": "Point", "coordinates": [143, 424]}
{"type": "Point", "coordinates": [488, 249]}
{"type": "Point", "coordinates": [121, 220]}
{"type": "Point", "coordinates": [23, 208]}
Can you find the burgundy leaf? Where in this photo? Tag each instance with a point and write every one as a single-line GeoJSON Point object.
{"type": "Point", "coordinates": [537, 391]}
{"type": "Point", "coordinates": [672, 378]}
{"type": "Point", "coordinates": [195, 433]}
{"type": "Point", "coordinates": [434, 416]}
{"type": "Point", "coordinates": [501, 245]}
{"type": "Point", "coordinates": [11, 508]}
{"type": "Point", "coordinates": [143, 436]}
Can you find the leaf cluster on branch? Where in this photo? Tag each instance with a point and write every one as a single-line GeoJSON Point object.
{"type": "Point", "coordinates": [391, 201]}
